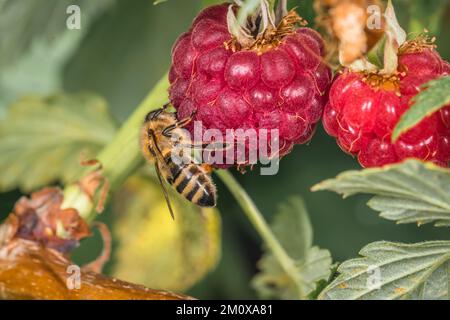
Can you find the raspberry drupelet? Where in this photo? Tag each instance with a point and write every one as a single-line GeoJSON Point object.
{"type": "Point", "coordinates": [364, 108]}
{"type": "Point", "coordinates": [277, 82]}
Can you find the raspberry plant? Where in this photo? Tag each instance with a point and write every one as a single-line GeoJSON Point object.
{"type": "Point", "coordinates": [239, 65]}
{"type": "Point", "coordinates": [365, 106]}
{"type": "Point", "coordinates": [269, 74]}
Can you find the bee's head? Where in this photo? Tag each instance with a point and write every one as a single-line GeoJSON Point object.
{"type": "Point", "coordinates": [152, 115]}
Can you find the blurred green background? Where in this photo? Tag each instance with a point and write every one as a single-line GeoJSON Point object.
{"type": "Point", "coordinates": [122, 49]}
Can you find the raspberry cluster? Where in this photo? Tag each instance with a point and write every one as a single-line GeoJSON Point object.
{"type": "Point", "coordinates": [364, 108]}
{"type": "Point", "coordinates": [279, 85]}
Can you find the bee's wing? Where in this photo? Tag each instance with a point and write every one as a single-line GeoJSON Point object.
{"type": "Point", "coordinates": [166, 194]}
{"type": "Point", "coordinates": [160, 161]}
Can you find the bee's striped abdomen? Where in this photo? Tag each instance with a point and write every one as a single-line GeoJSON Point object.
{"type": "Point", "coordinates": [173, 169]}
{"type": "Point", "coordinates": [195, 186]}
{"type": "Point", "coordinates": [206, 198]}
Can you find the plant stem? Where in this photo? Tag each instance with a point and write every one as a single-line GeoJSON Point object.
{"type": "Point", "coordinates": [271, 4]}
{"type": "Point", "coordinates": [123, 155]}
{"type": "Point", "coordinates": [259, 223]}
{"type": "Point", "coordinates": [120, 157]}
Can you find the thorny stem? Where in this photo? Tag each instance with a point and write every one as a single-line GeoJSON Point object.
{"type": "Point", "coordinates": [260, 224]}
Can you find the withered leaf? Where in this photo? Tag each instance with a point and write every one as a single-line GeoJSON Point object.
{"type": "Point", "coordinates": [30, 271]}
{"type": "Point", "coordinates": [41, 219]}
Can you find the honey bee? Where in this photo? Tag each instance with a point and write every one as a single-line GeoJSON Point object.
{"type": "Point", "coordinates": [187, 178]}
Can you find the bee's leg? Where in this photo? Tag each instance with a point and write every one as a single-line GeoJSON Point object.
{"type": "Point", "coordinates": [218, 146]}
{"type": "Point", "coordinates": [179, 124]}
{"type": "Point", "coordinates": [155, 113]}
{"type": "Point", "coordinates": [209, 145]}
{"type": "Point", "coordinates": [204, 145]}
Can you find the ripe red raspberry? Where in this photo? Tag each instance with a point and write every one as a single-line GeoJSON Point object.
{"type": "Point", "coordinates": [364, 108]}
{"type": "Point", "coordinates": [279, 83]}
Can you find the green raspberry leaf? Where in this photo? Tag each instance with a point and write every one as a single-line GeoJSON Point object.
{"type": "Point", "coordinates": [26, 21]}
{"type": "Point", "coordinates": [390, 270]}
{"type": "Point", "coordinates": [435, 96]}
{"type": "Point", "coordinates": [42, 138]}
{"type": "Point", "coordinates": [410, 192]}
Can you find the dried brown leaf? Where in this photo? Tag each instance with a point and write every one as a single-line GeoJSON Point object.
{"type": "Point", "coordinates": [28, 270]}
{"type": "Point", "coordinates": [98, 264]}
{"type": "Point", "coordinates": [42, 219]}
{"type": "Point", "coordinates": [8, 229]}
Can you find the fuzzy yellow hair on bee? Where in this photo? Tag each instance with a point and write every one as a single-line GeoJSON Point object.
{"type": "Point", "coordinates": [186, 177]}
